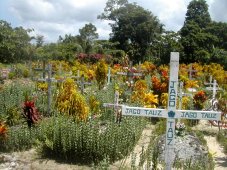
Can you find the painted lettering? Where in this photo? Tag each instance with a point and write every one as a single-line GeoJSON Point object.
{"type": "Point", "coordinates": [192, 115]}
{"type": "Point", "coordinates": [209, 115]}
{"type": "Point", "coordinates": [172, 84]}
{"type": "Point", "coordinates": [170, 133]}
{"type": "Point", "coordinates": [132, 111]}
{"type": "Point", "coordinates": [172, 103]}
{"type": "Point", "coordinates": [172, 94]}
{"type": "Point", "coordinates": [153, 112]}
{"type": "Point", "coordinates": [169, 141]}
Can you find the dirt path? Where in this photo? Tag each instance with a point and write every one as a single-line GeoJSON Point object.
{"type": "Point", "coordinates": [214, 147]}
{"type": "Point", "coordinates": [142, 144]}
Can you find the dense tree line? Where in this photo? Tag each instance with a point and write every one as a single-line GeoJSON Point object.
{"type": "Point", "coordinates": [136, 32]}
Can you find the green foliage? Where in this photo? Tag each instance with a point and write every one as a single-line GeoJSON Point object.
{"type": "Point", "coordinates": [222, 139]}
{"type": "Point", "coordinates": [160, 127]}
{"type": "Point", "coordinates": [101, 73]}
{"type": "Point", "coordinates": [18, 138]}
{"type": "Point", "coordinates": [13, 43]}
{"type": "Point", "coordinates": [135, 28]}
{"type": "Point", "coordinates": [11, 99]}
{"type": "Point", "coordinates": [197, 11]}
{"type": "Point", "coordinates": [200, 164]}
{"type": "Point", "coordinates": [70, 102]}
{"type": "Point", "coordinates": [89, 142]}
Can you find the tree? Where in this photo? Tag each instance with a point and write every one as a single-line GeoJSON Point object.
{"type": "Point", "coordinates": [197, 11]}
{"type": "Point", "coordinates": [164, 45]}
{"type": "Point", "coordinates": [87, 36]}
{"type": "Point", "coordinates": [219, 29]}
{"type": "Point", "coordinates": [39, 40]}
{"type": "Point", "coordinates": [13, 43]}
{"type": "Point", "coordinates": [197, 41]}
{"type": "Point", "coordinates": [133, 27]}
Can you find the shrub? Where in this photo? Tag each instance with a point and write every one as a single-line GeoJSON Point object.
{"type": "Point", "coordinates": [89, 142]}
{"type": "Point", "coordinates": [70, 102]}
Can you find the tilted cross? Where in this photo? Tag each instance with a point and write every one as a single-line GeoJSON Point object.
{"type": "Point", "coordinates": [171, 113]}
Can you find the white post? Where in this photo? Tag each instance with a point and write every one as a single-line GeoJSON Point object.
{"type": "Point", "coordinates": [108, 80]}
{"type": "Point", "coordinates": [172, 99]}
{"type": "Point", "coordinates": [214, 89]}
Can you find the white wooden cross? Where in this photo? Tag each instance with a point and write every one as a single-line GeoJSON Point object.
{"type": "Point", "coordinates": [108, 76]}
{"type": "Point", "coordinates": [171, 113]}
{"type": "Point", "coordinates": [190, 70]}
{"type": "Point", "coordinates": [116, 107]}
{"type": "Point", "coordinates": [129, 74]}
{"type": "Point", "coordinates": [214, 88]}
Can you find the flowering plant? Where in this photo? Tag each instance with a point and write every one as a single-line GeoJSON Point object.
{"type": "Point", "coordinates": [30, 113]}
{"type": "Point", "coordinates": [3, 130]}
{"type": "Point", "coordinates": [180, 129]}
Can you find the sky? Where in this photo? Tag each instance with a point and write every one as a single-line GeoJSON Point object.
{"type": "Point", "coordinates": [52, 18]}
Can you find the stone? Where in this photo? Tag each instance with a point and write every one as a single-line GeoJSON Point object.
{"type": "Point", "coordinates": [186, 148]}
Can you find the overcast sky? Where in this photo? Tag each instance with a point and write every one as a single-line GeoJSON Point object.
{"type": "Point", "coordinates": [52, 18]}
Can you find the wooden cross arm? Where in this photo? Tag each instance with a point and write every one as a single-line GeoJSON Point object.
{"type": "Point", "coordinates": [164, 113]}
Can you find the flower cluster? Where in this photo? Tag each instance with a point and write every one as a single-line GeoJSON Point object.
{"type": "Point", "coordinates": [93, 58]}
{"type": "Point", "coordinates": [3, 130]}
{"type": "Point", "coordinates": [198, 99]}
{"type": "Point", "coordinates": [31, 113]}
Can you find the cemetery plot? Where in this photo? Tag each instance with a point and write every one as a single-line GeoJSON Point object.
{"type": "Point", "coordinates": [171, 113]}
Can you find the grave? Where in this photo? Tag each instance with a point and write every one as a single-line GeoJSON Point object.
{"type": "Point", "coordinates": [129, 74]}
{"type": "Point", "coordinates": [81, 83]}
{"type": "Point", "coordinates": [49, 80]}
{"type": "Point", "coordinates": [190, 71]}
{"type": "Point", "coordinates": [171, 113]}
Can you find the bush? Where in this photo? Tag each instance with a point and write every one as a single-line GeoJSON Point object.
{"type": "Point", "coordinates": [89, 143]}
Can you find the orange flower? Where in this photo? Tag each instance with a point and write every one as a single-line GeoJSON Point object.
{"type": "Point", "coordinates": [3, 130]}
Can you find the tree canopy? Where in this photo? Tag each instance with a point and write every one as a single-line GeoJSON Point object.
{"type": "Point", "coordinates": [133, 27]}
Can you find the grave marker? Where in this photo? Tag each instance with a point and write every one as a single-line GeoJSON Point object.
{"type": "Point", "coordinates": [116, 107]}
{"type": "Point", "coordinates": [108, 76]}
{"type": "Point", "coordinates": [190, 71]}
{"type": "Point", "coordinates": [82, 84]}
{"type": "Point", "coordinates": [171, 113]}
{"type": "Point", "coordinates": [49, 80]}
{"type": "Point", "coordinates": [129, 74]}
{"type": "Point", "coordinates": [43, 69]}
{"type": "Point", "coordinates": [214, 88]}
